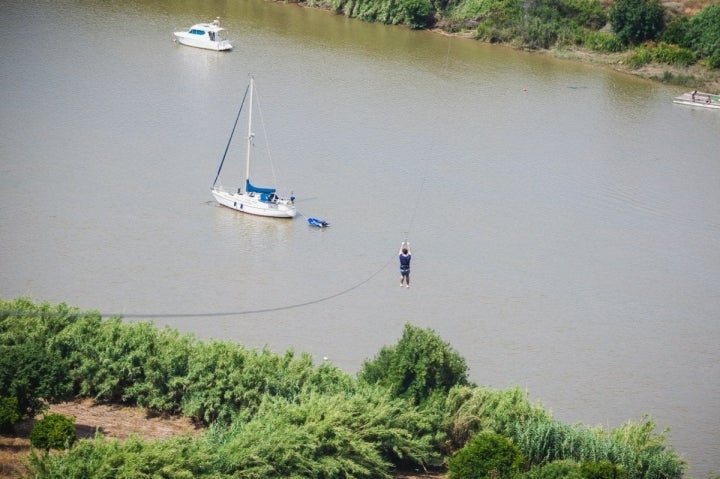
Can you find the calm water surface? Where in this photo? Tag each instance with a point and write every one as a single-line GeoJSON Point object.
{"type": "Point", "coordinates": [565, 220]}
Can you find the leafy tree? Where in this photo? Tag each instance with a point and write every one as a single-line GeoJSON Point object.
{"type": "Point", "coordinates": [418, 366]}
{"type": "Point", "coordinates": [54, 431]}
{"type": "Point", "coordinates": [9, 414]}
{"type": "Point", "coordinates": [635, 21]}
{"type": "Point", "coordinates": [487, 455]}
{"type": "Point", "coordinates": [703, 33]}
{"type": "Point", "coordinates": [418, 13]}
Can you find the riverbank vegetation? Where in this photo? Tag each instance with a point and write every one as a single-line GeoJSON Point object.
{"type": "Point", "coordinates": [267, 415]}
{"type": "Point", "coordinates": [681, 40]}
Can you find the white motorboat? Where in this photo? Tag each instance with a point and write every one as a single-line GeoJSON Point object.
{"type": "Point", "coordinates": [254, 200]}
{"type": "Point", "coordinates": [210, 36]}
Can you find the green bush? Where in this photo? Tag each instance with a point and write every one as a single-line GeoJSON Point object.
{"type": "Point", "coordinates": [569, 469]}
{"type": "Point", "coordinates": [562, 469]}
{"type": "Point", "coordinates": [37, 356]}
{"type": "Point", "coordinates": [661, 53]}
{"type": "Point", "coordinates": [676, 31]}
{"type": "Point", "coordinates": [587, 13]}
{"type": "Point", "coordinates": [415, 13]}
{"type": "Point", "coordinates": [163, 383]}
{"type": "Point", "coordinates": [116, 360]}
{"type": "Point", "coordinates": [713, 61]}
{"type": "Point", "coordinates": [635, 21]}
{"type": "Point", "coordinates": [54, 431]}
{"type": "Point", "coordinates": [418, 366]}
{"type": "Point", "coordinates": [642, 55]}
{"type": "Point", "coordinates": [361, 435]}
{"type": "Point", "coordinates": [487, 455]}
{"type": "Point", "coordinates": [673, 55]}
{"type": "Point", "coordinates": [9, 414]}
{"type": "Point", "coordinates": [178, 458]}
{"type": "Point", "coordinates": [603, 42]}
{"type": "Point", "coordinates": [600, 470]}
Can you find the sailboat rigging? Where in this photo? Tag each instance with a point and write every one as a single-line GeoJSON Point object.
{"type": "Point", "coordinates": [254, 200]}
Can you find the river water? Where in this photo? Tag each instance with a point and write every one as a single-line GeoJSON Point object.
{"type": "Point", "coordinates": [565, 220]}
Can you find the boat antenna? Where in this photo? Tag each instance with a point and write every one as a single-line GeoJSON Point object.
{"type": "Point", "coordinates": [227, 147]}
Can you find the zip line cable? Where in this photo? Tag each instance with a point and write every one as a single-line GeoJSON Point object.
{"type": "Point", "coordinates": [253, 311]}
{"type": "Point", "coordinates": [417, 203]}
{"type": "Point", "coordinates": [219, 314]}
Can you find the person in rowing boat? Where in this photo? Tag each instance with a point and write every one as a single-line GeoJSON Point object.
{"type": "Point", "coordinates": [405, 257]}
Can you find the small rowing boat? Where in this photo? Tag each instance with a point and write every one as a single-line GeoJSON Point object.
{"type": "Point", "coordinates": [699, 99]}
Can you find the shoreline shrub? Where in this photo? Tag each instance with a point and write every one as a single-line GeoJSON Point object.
{"type": "Point", "coordinates": [54, 431]}
{"type": "Point", "coordinates": [603, 42]}
{"type": "Point", "coordinates": [487, 455]}
{"type": "Point", "coordinates": [418, 366]}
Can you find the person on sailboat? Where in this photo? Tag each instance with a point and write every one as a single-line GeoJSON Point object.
{"type": "Point", "coordinates": [405, 257]}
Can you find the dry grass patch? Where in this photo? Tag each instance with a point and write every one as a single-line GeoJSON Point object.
{"type": "Point", "coordinates": [116, 422]}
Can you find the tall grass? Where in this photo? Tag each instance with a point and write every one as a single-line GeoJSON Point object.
{"type": "Point", "coordinates": [469, 410]}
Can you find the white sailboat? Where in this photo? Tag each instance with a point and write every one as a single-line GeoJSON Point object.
{"type": "Point", "coordinates": [254, 200]}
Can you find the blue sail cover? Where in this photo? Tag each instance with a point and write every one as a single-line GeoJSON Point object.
{"type": "Point", "coordinates": [254, 189]}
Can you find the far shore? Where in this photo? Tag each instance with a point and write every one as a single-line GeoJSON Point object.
{"type": "Point", "coordinates": [702, 78]}
{"type": "Point", "coordinates": [694, 77]}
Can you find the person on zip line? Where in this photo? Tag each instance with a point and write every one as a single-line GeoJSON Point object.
{"type": "Point", "coordinates": [405, 257]}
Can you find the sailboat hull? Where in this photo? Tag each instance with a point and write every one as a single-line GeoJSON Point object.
{"type": "Point", "coordinates": [252, 204]}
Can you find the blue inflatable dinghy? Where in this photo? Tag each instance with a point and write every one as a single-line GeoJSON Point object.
{"type": "Point", "coordinates": [318, 223]}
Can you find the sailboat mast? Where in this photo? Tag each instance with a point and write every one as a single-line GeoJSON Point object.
{"type": "Point", "coordinates": [250, 133]}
